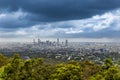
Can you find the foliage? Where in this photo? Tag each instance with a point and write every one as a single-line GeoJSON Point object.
{"type": "Point", "coordinates": [67, 72]}
{"type": "Point", "coordinates": [3, 60]}
{"type": "Point", "coordinates": [107, 72]}
{"type": "Point", "coordinates": [1, 71]}
{"type": "Point", "coordinates": [38, 69]}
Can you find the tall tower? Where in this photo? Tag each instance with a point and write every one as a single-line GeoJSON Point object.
{"type": "Point", "coordinates": [66, 42]}
{"type": "Point", "coordinates": [58, 41]}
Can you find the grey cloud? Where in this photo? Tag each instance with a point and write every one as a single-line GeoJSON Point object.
{"type": "Point", "coordinates": [106, 34]}
{"type": "Point", "coordinates": [54, 17]}
{"type": "Point", "coordinates": [59, 10]}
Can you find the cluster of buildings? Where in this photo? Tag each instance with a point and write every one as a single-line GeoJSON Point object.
{"type": "Point", "coordinates": [64, 50]}
{"type": "Point", "coordinates": [57, 43]}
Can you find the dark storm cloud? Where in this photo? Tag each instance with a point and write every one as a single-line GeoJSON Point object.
{"type": "Point", "coordinates": [60, 18]}
{"type": "Point", "coordinates": [59, 10]}
{"type": "Point", "coordinates": [13, 20]}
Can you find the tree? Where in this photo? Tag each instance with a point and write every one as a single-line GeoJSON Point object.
{"type": "Point", "coordinates": [108, 63]}
{"type": "Point", "coordinates": [11, 70]}
{"type": "Point", "coordinates": [67, 72]}
{"type": "Point", "coordinates": [3, 60]}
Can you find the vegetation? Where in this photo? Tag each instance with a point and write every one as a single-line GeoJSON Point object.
{"type": "Point", "coordinates": [37, 69]}
{"type": "Point", "coordinates": [3, 60]}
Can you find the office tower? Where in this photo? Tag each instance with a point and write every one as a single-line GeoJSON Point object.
{"type": "Point", "coordinates": [66, 42]}
{"type": "Point", "coordinates": [58, 41]}
{"type": "Point", "coordinates": [48, 43]}
{"type": "Point", "coordinates": [39, 41]}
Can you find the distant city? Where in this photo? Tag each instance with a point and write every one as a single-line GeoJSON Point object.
{"type": "Point", "coordinates": [63, 50]}
{"type": "Point", "coordinates": [50, 43]}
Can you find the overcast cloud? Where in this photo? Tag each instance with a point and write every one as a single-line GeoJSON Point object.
{"type": "Point", "coordinates": [60, 18]}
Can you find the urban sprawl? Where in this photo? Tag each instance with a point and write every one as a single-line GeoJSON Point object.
{"type": "Point", "coordinates": [64, 50]}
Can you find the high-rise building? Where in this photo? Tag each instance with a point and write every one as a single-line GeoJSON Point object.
{"type": "Point", "coordinates": [58, 41]}
{"type": "Point", "coordinates": [48, 43]}
{"type": "Point", "coordinates": [66, 42]}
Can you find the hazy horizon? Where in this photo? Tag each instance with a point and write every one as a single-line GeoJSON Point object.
{"type": "Point", "coordinates": [30, 40]}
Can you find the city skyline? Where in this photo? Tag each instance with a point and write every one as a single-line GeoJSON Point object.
{"type": "Point", "coordinates": [77, 20]}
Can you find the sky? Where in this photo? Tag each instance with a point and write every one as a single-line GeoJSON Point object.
{"type": "Point", "coordinates": [83, 19]}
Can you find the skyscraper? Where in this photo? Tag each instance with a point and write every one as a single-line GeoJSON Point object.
{"type": "Point", "coordinates": [58, 41]}
{"type": "Point", "coordinates": [66, 42]}
{"type": "Point", "coordinates": [39, 41]}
